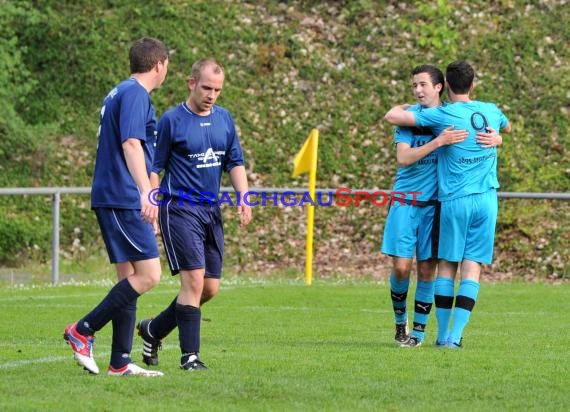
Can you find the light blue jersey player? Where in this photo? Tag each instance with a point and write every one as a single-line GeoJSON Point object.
{"type": "Point", "coordinates": [465, 168]}
{"type": "Point", "coordinates": [411, 225]}
{"type": "Point", "coordinates": [467, 175]}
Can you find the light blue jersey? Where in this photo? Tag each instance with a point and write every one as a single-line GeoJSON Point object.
{"type": "Point", "coordinates": [421, 176]}
{"type": "Point", "coordinates": [411, 229]}
{"type": "Point", "coordinates": [464, 168]}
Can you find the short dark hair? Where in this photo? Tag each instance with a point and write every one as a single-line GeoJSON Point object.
{"type": "Point", "coordinates": [197, 67]}
{"type": "Point", "coordinates": [435, 75]}
{"type": "Point", "coordinates": [460, 76]}
{"type": "Point", "coordinates": [145, 53]}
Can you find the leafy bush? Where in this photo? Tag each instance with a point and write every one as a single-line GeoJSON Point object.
{"type": "Point", "coordinates": [291, 66]}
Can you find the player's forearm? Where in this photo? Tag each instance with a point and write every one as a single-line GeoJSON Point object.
{"type": "Point", "coordinates": [238, 179]}
{"type": "Point", "coordinates": [411, 155]}
{"type": "Point", "coordinates": [134, 156]}
{"type": "Point", "coordinates": [154, 180]}
{"type": "Point", "coordinates": [398, 116]}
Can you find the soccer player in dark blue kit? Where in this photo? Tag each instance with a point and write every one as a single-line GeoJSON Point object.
{"type": "Point", "coordinates": [126, 216]}
{"type": "Point", "coordinates": [467, 176]}
{"type": "Point", "coordinates": [197, 141]}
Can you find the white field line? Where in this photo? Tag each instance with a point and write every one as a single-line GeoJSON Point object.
{"type": "Point", "coordinates": [56, 359]}
{"type": "Point", "coordinates": [15, 298]}
{"type": "Point", "coordinates": [25, 362]}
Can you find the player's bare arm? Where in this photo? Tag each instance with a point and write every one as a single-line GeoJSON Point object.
{"type": "Point", "coordinates": [238, 179]}
{"type": "Point", "coordinates": [154, 180]}
{"type": "Point", "coordinates": [155, 184]}
{"type": "Point", "coordinates": [407, 155]}
{"type": "Point", "coordinates": [134, 157]}
{"type": "Point", "coordinates": [398, 116]}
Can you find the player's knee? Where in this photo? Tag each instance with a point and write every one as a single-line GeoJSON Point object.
{"type": "Point", "coordinates": [154, 278]}
{"type": "Point", "coordinates": [426, 271]}
{"type": "Point", "coordinates": [401, 268]}
{"type": "Point", "coordinates": [401, 272]}
{"type": "Point", "coordinates": [426, 276]}
{"type": "Point", "coordinates": [151, 277]}
{"type": "Point", "coordinates": [207, 295]}
{"type": "Point", "coordinates": [210, 290]}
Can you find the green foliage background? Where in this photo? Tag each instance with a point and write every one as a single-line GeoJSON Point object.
{"type": "Point", "coordinates": [291, 66]}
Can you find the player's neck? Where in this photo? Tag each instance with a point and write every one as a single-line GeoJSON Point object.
{"type": "Point", "coordinates": [458, 97]}
{"type": "Point", "coordinates": [145, 81]}
{"type": "Point", "coordinates": [195, 109]}
{"type": "Point", "coordinates": [436, 103]}
{"type": "Point", "coordinates": [461, 98]}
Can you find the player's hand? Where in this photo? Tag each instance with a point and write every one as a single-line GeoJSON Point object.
{"type": "Point", "coordinates": [451, 136]}
{"type": "Point", "coordinates": [149, 211]}
{"type": "Point", "coordinates": [155, 227]}
{"type": "Point", "coordinates": [244, 214]}
{"type": "Point", "coordinates": [489, 138]}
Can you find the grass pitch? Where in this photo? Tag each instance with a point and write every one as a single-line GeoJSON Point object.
{"type": "Point", "coordinates": [284, 346]}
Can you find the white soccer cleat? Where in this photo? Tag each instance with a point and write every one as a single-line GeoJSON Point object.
{"type": "Point", "coordinates": [82, 347]}
{"type": "Point", "coordinates": [132, 370]}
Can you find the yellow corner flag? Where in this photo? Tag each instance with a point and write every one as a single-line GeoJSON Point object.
{"type": "Point", "coordinates": [306, 161]}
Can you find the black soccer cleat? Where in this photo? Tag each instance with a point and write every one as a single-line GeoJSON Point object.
{"type": "Point", "coordinates": [151, 345]}
{"type": "Point", "coordinates": [413, 342]}
{"type": "Point", "coordinates": [401, 335]}
{"type": "Point", "coordinates": [191, 362]}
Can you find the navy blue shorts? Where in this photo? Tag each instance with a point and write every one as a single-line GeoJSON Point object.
{"type": "Point", "coordinates": [193, 237]}
{"type": "Point", "coordinates": [127, 237]}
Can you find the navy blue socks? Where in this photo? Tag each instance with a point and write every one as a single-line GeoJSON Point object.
{"type": "Point", "coordinates": [118, 298]}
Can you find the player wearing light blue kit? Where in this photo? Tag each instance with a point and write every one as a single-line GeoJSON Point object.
{"type": "Point", "coordinates": [120, 199]}
{"type": "Point", "coordinates": [411, 227]}
{"type": "Point", "coordinates": [467, 175]}
{"type": "Point", "coordinates": [197, 141]}
{"type": "Point", "coordinates": [464, 170]}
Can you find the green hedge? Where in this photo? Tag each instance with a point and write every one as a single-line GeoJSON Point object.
{"type": "Point", "coordinates": [291, 66]}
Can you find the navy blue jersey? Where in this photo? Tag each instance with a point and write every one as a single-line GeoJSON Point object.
{"type": "Point", "coordinates": [193, 151]}
{"type": "Point", "coordinates": [127, 112]}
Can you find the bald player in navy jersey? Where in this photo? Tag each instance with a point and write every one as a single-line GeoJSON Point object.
{"type": "Point", "coordinates": [197, 141]}
{"type": "Point", "coordinates": [120, 199]}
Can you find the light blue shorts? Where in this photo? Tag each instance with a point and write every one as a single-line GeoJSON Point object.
{"type": "Point", "coordinates": [468, 227]}
{"type": "Point", "coordinates": [411, 231]}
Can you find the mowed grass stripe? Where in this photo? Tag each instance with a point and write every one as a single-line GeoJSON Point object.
{"type": "Point", "coordinates": [289, 347]}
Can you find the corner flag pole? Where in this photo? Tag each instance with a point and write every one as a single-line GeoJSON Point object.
{"type": "Point", "coordinates": [306, 161]}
